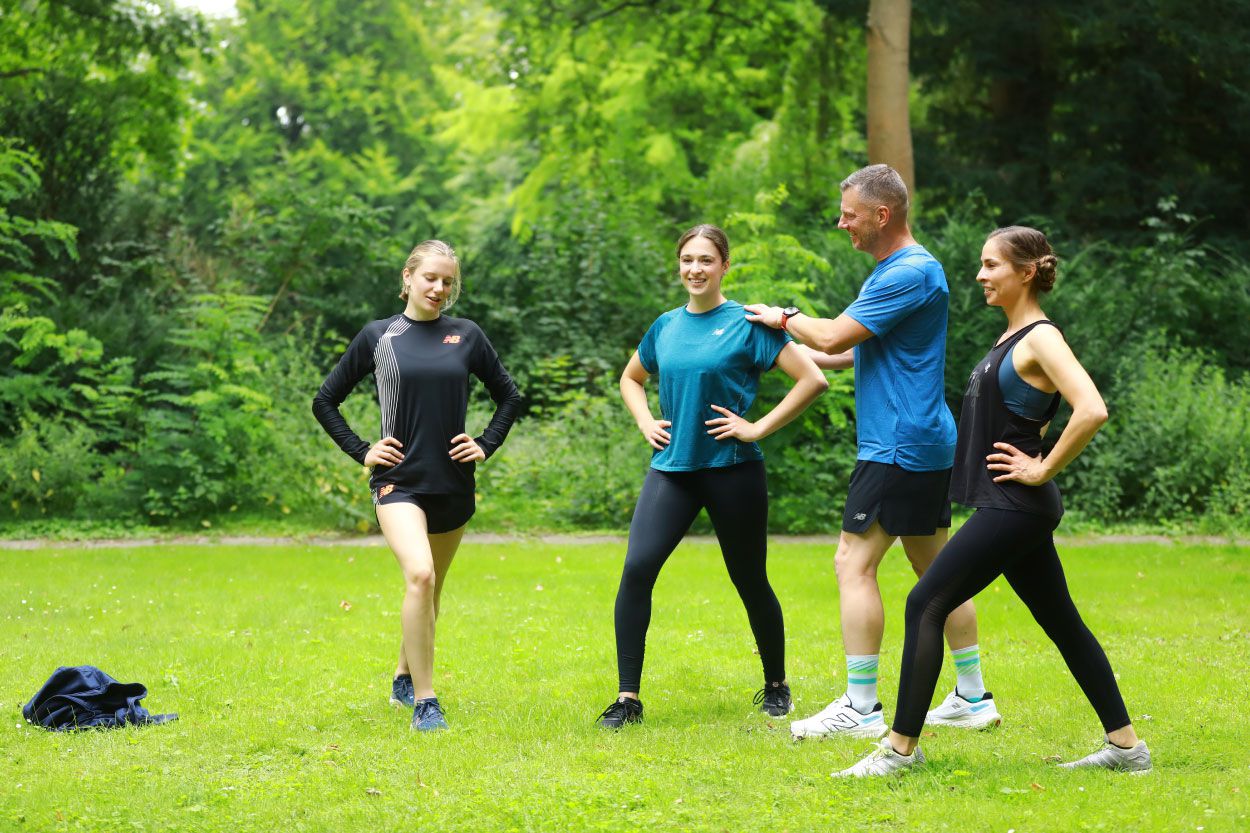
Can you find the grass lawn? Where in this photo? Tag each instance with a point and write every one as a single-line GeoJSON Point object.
{"type": "Point", "coordinates": [278, 660]}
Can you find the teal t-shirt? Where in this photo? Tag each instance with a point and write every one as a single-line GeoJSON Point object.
{"type": "Point", "coordinates": [705, 359]}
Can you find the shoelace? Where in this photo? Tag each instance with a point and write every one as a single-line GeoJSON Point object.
{"type": "Point", "coordinates": [428, 708]}
{"type": "Point", "coordinates": [777, 699]}
{"type": "Point", "coordinates": [617, 709]}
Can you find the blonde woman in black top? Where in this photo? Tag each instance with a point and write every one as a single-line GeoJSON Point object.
{"type": "Point", "coordinates": [423, 465]}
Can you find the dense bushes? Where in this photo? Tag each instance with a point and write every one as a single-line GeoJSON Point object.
{"type": "Point", "coordinates": [173, 289]}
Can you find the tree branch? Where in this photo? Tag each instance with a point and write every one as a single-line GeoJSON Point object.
{"type": "Point", "coordinates": [16, 73]}
{"type": "Point", "coordinates": [583, 22]}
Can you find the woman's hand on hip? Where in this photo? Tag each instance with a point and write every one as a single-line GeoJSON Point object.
{"type": "Point", "coordinates": [656, 433]}
{"type": "Point", "coordinates": [729, 425]}
{"type": "Point", "coordinates": [385, 452]}
{"type": "Point", "coordinates": [464, 449]}
{"type": "Point", "coordinates": [1016, 465]}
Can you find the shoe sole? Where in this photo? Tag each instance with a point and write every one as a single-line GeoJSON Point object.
{"type": "Point", "coordinates": [866, 732]}
{"type": "Point", "coordinates": [398, 703]}
{"type": "Point", "coordinates": [783, 714]}
{"type": "Point", "coordinates": [966, 723]}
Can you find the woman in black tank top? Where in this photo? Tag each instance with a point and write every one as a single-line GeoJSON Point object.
{"type": "Point", "coordinates": [1002, 472]}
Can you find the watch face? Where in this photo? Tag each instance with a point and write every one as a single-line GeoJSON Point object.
{"type": "Point", "coordinates": [790, 312]}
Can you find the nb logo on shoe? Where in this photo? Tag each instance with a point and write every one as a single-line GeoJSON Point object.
{"type": "Point", "coordinates": [840, 721]}
{"type": "Point", "coordinates": [451, 339]}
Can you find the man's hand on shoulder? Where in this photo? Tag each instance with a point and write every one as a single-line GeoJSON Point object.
{"type": "Point", "coordinates": [764, 314]}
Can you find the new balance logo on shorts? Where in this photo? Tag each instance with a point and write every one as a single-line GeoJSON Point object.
{"type": "Point", "coordinates": [861, 516]}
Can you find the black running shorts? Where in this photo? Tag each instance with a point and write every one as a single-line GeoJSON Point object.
{"type": "Point", "coordinates": [443, 513]}
{"type": "Point", "coordinates": [903, 502]}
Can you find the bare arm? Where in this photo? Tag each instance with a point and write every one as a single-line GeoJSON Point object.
{"type": "Point", "coordinates": [829, 336]}
{"type": "Point", "coordinates": [635, 397]}
{"type": "Point", "coordinates": [1052, 355]}
{"type": "Point", "coordinates": [809, 383]}
{"type": "Point", "coordinates": [838, 361]}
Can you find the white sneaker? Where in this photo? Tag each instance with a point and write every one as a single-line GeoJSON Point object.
{"type": "Point", "coordinates": [956, 711]}
{"type": "Point", "coordinates": [883, 761]}
{"type": "Point", "coordinates": [841, 718]}
{"type": "Point", "coordinates": [1135, 761]}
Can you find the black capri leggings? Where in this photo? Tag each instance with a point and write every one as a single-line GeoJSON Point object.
{"type": "Point", "coordinates": [736, 498]}
{"type": "Point", "coordinates": [1020, 546]}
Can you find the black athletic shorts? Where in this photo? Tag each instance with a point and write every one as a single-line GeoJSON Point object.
{"type": "Point", "coordinates": [443, 513]}
{"type": "Point", "coordinates": [903, 502]}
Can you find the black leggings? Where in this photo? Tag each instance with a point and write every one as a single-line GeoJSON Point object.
{"type": "Point", "coordinates": [1021, 547]}
{"type": "Point", "coordinates": [736, 498]}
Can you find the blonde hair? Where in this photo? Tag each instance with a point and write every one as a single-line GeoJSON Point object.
{"type": "Point", "coordinates": [426, 249]}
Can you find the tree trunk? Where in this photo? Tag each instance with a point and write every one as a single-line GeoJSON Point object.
{"type": "Point", "coordinates": [889, 127]}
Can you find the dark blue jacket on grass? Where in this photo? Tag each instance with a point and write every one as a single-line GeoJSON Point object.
{"type": "Point", "coordinates": [84, 697]}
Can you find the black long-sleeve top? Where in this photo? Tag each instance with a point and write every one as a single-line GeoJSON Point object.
{"type": "Point", "coordinates": [422, 373]}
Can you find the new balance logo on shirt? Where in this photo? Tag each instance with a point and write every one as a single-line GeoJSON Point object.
{"type": "Point", "coordinates": [450, 339]}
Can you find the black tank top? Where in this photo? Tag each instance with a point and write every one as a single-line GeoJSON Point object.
{"type": "Point", "coordinates": [984, 420]}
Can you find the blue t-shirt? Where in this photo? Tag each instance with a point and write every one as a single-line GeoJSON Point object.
{"type": "Point", "coordinates": [901, 412]}
{"type": "Point", "coordinates": [704, 359]}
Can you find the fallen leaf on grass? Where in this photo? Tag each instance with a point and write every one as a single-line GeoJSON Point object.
{"type": "Point", "coordinates": [1037, 788]}
{"type": "Point", "coordinates": [345, 604]}
{"type": "Point", "coordinates": [1053, 758]}
{"type": "Point", "coordinates": [373, 791]}
{"type": "Point", "coordinates": [929, 734]}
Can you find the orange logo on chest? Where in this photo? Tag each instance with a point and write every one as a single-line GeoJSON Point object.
{"type": "Point", "coordinates": [386, 490]}
{"type": "Point", "coordinates": [451, 339]}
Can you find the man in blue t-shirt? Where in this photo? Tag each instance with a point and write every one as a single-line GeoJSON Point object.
{"type": "Point", "coordinates": [894, 335]}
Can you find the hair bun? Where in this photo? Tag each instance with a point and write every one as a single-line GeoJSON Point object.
{"type": "Point", "coordinates": [1046, 265]}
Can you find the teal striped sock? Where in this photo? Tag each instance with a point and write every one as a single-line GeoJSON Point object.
{"type": "Point", "coordinates": [861, 681]}
{"type": "Point", "coordinates": [968, 680]}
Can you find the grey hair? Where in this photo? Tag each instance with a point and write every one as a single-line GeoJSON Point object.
{"type": "Point", "coordinates": [880, 185]}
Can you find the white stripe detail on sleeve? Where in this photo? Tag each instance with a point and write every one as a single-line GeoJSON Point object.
{"type": "Point", "coordinates": [386, 370]}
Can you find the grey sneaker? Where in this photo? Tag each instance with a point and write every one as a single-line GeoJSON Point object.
{"type": "Point", "coordinates": [402, 693]}
{"type": "Point", "coordinates": [427, 716]}
{"type": "Point", "coordinates": [883, 761]}
{"type": "Point", "coordinates": [1135, 761]}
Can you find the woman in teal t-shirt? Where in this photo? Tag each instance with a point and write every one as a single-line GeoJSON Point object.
{"type": "Point", "coordinates": [710, 359]}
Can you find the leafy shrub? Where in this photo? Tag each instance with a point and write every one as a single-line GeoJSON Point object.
{"type": "Point", "coordinates": [1171, 450]}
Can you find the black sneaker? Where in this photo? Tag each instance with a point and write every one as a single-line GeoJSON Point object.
{"type": "Point", "coordinates": [624, 710]}
{"type": "Point", "coordinates": [774, 699]}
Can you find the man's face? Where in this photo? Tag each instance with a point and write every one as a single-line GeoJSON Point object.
{"type": "Point", "coordinates": [860, 221]}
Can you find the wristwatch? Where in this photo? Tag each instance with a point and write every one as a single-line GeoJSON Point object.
{"type": "Point", "coordinates": [786, 315]}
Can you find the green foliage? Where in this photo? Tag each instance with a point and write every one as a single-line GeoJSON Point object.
{"type": "Point", "coordinates": [1086, 111]}
{"type": "Point", "coordinates": [580, 467]}
{"type": "Point", "coordinates": [327, 96]}
{"type": "Point", "coordinates": [1176, 442]}
{"type": "Point", "coordinates": [96, 90]}
{"type": "Point", "coordinates": [314, 255]}
{"type": "Point", "coordinates": [191, 227]}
